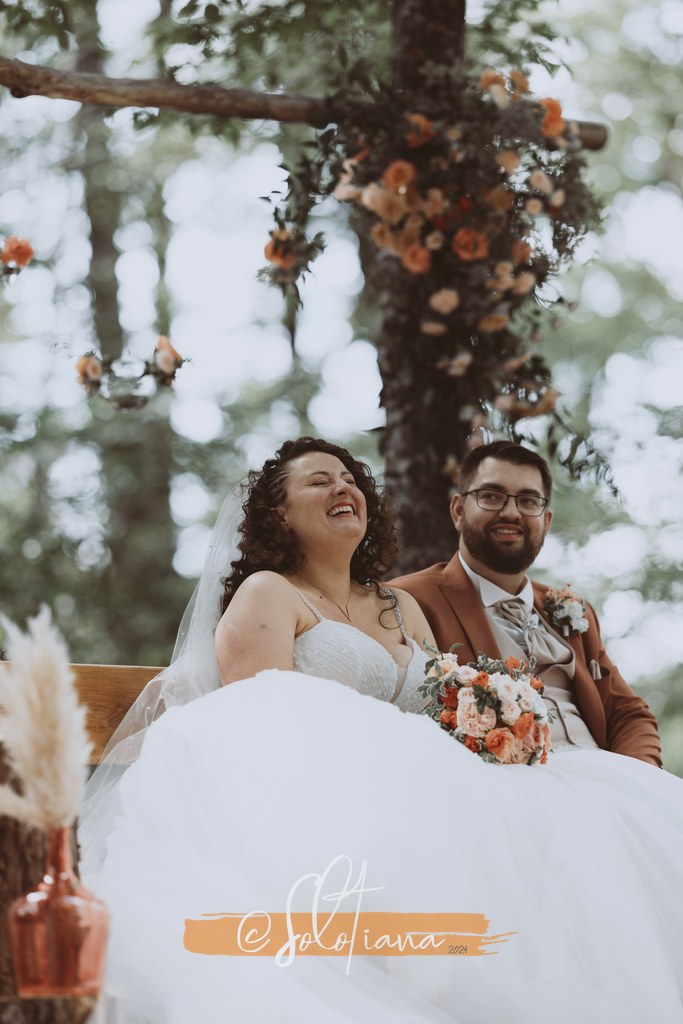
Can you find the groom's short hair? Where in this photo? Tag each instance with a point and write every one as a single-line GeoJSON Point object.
{"type": "Point", "coordinates": [505, 451]}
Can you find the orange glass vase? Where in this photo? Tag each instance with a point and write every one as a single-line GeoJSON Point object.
{"type": "Point", "coordinates": [59, 930]}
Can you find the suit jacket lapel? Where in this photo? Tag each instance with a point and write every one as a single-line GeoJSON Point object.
{"type": "Point", "coordinates": [463, 598]}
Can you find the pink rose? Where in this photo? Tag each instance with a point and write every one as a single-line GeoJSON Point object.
{"type": "Point", "coordinates": [470, 721]}
{"type": "Point", "coordinates": [510, 711]}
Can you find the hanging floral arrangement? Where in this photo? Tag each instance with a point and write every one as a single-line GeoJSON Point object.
{"type": "Point", "coordinates": [97, 376]}
{"type": "Point", "coordinates": [474, 208]}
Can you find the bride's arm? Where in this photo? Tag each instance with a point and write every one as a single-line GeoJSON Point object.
{"type": "Point", "coordinates": [258, 628]}
{"type": "Point", "coordinates": [414, 619]}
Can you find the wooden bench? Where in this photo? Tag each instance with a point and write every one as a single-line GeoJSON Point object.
{"type": "Point", "coordinates": [107, 691]}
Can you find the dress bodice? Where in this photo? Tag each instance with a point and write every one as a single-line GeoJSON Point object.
{"type": "Point", "coordinates": [338, 651]}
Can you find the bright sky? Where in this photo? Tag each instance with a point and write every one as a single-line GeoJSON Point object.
{"type": "Point", "coordinates": [227, 325]}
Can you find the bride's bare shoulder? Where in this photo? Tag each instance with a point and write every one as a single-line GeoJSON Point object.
{"type": "Point", "coordinates": [264, 585]}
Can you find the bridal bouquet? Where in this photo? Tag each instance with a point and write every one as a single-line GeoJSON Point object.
{"type": "Point", "coordinates": [495, 708]}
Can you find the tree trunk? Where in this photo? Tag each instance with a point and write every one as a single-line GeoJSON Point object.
{"type": "Point", "coordinates": [423, 442]}
{"type": "Point", "coordinates": [425, 435]}
{"type": "Point", "coordinates": [426, 31]}
{"type": "Point", "coordinates": [136, 454]}
{"type": "Point", "coordinates": [102, 198]}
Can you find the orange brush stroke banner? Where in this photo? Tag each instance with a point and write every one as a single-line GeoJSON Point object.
{"type": "Point", "coordinates": [340, 934]}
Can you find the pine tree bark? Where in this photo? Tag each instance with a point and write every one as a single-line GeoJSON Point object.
{"type": "Point", "coordinates": [426, 433]}
{"type": "Point", "coordinates": [136, 456]}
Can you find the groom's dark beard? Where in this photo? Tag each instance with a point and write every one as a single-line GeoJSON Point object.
{"type": "Point", "coordinates": [483, 545]}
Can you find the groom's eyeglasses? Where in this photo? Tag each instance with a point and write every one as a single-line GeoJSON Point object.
{"type": "Point", "coordinates": [495, 501]}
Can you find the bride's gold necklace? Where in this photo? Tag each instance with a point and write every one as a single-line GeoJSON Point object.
{"type": "Point", "coordinates": [344, 609]}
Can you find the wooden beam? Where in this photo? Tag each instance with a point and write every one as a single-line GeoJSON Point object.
{"type": "Point", "coordinates": [213, 100]}
{"type": "Point", "coordinates": [33, 80]}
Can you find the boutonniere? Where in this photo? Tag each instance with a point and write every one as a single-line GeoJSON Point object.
{"type": "Point", "coordinates": [566, 610]}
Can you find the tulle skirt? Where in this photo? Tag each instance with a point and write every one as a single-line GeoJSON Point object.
{"type": "Point", "coordinates": [242, 798]}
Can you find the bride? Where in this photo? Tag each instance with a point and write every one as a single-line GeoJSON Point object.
{"type": "Point", "coordinates": [284, 793]}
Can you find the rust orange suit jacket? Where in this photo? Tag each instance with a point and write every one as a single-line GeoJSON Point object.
{"type": "Point", "coordinates": [618, 720]}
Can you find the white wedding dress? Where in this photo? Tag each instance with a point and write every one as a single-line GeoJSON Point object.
{"type": "Point", "coordinates": [247, 790]}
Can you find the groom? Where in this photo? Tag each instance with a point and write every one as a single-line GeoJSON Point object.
{"type": "Point", "coordinates": [483, 600]}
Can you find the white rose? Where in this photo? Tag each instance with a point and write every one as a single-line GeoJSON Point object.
{"type": "Point", "coordinates": [510, 712]}
{"type": "Point", "coordinates": [526, 696]}
{"type": "Point", "coordinates": [504, 686]}
{"type": "Point", "coordinates": [466, 674]}
{"type": "Point", "coordinates": [448, 663]}
{"type": "Point", "coordinates": [539, 707]}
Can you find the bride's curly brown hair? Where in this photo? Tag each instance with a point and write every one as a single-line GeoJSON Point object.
{"type": "Point", "coordinates": [266, 541]}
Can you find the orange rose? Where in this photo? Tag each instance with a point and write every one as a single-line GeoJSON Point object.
{"type": "Point", "coordinates": [421, 130]}
{"type": "Point", "coordinates": [417, 259]}
{"type": "Point", "coordinates": [493, 322]}
{"type": "Point", "coordinates": [521, 251]}
{"type": "Point", "coordinates": [482, 679]}
{"type": "Point", "coordinates": [490, 77]}
{"type": "Point", "coordinates": [470, 245]}
{"type": "Point", "coordinates": [536, 683]}
{"type": "Point", "coordinates": [449, 718]}
{"type": "Point", "coordinates": [445, 301]}
{"type": "Point", "coordinates": [524, 283]}
{"type": "Point", "coordinates": [390, 206]}
{"type": "Point", "coordinates": [17, 251]}
{"type": "Point", "coordinates": [449, 697]}
{"type": "Point", "coordinates": [472, 744]}
{"type": "Point", "coordinates": [508, 160]}
{"type": "Point", "coordinates": [523, 725]}
{"type": "Point", "coordinates": [499, 199]}
{"type": "Point", "coordinates": [399, 176]}
{"type": "Point", "coordinates": [553, 122]}
{"type": "Point", "coordinates": [500, 743]}
{"type": "Point", "coordinates": [277, 250]}
{"type": "Point", "coordinates": [519, 82]}
{"type": "Point", "coordinates": [383, 236]}
{"type": "Point", "coordinates": [513, 663]}
{"type": "Point", "coordinates": [433, 327]}
{"type": "Point", "coordinates": [89, 370]}
{"type": "Point", "coordinates": [165, 356]}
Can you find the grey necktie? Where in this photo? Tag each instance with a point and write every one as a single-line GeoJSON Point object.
{"type": "Point", "coordinates": [526, 628]}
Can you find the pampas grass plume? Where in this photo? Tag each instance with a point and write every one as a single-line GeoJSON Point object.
{"type": "Point", "coordinates": [42, 726]}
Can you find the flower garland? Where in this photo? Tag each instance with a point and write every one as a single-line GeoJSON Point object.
{"type": "Point", "coordinates": [96, 375]}
{"type": "Point", "coordinates": [474, 209]}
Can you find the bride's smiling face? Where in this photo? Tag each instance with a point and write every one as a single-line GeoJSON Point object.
{"type": "Point", "coordinates": [323, 503]}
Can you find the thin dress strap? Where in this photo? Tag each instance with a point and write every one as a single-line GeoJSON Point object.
{"type": "Point", "coordinates": [309, 604]}
{"type": "Point", "coordinates": [397, 611]}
